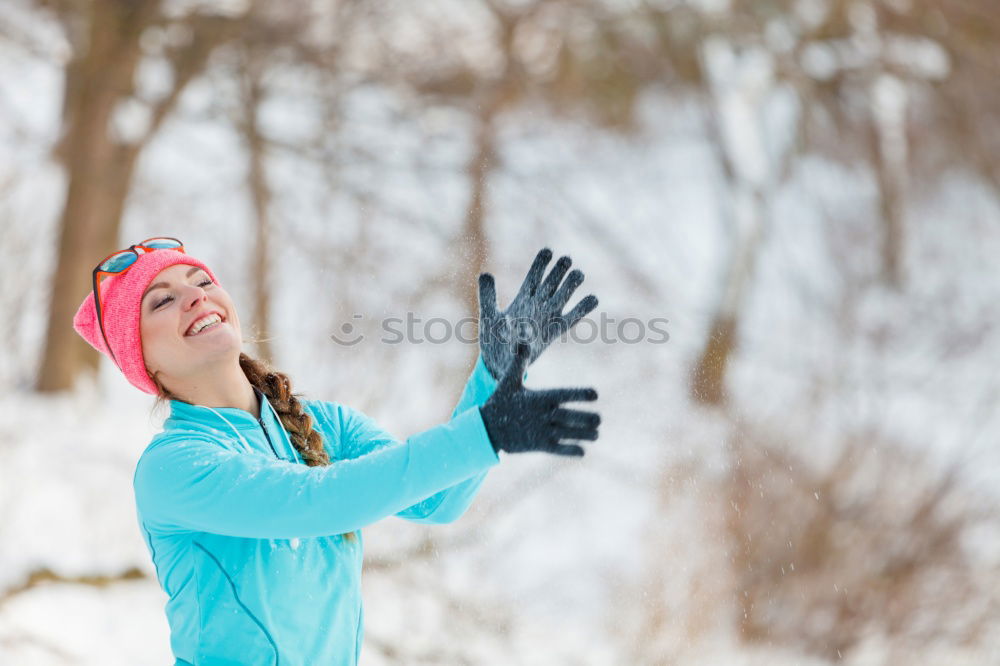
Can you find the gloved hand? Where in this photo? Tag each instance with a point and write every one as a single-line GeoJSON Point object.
{"type": "Point", "coordinates": [518, 419]}
{"type": "Point", "coordinates": [534, 316]}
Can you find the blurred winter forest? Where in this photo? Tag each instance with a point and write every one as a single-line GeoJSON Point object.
{"type": "Point", "coordinates": [805, 472]}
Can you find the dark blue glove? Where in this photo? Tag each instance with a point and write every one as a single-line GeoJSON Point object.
{"type": "Point", "coordinates": [518, 419]}
{"type": "Point", "coordinates": [534, 316]}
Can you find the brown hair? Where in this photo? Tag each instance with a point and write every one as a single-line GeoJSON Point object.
{"type": "Point", "coordinates": [278, 389]}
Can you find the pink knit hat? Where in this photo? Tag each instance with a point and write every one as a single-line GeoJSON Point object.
{"type": "Point", "coordinates": [121, 295]}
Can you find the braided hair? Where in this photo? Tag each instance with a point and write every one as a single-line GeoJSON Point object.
{"type": "Point", "coordinates": [278, 389]}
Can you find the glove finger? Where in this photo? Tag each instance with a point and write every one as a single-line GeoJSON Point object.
{"type": "Point", "coordinates": [563, 432]}
{"type": "Point", "coordinates": [548, 287]}
{"type": "Point", "coordinates": [530, 284]}
{"type": "Point", "coordinates": [487, 297]}
{"type": "Point", "coordinates": [559, 301]}
{"type": "Point", "coordinates": [580, 310]}
{"type": "Point", "coordinates": [566, 450]}
{"type": "Point", "coordinates": [576, 418]}
{"type": "Point", "coordinates": [566, 395]}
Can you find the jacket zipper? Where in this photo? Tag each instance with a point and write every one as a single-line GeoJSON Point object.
{"type": "Point", "coordinates": [262, 427]}
{"type": "Point", "coordinates": [260, 420]}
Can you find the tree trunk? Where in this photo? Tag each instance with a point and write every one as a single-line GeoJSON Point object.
{"type": "Point", "coordinates": [260, 195]}
{"type": "Point", "coordinates": [889, 177]}
{"type": "Point", "coordinates": [746, 212]}
{"type": "Point", "coordinates": [106, 36]}
{"type": "Point", "coordinates": [473, 239]}
{"type": "Point", "coordinates": [98, 172]}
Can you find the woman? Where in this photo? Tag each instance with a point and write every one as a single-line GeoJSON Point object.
{"type": "Point", "coordinates": [251, 499]}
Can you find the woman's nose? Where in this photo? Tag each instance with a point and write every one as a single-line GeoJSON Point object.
{"type": "Point", "coordinates": [195, 296]}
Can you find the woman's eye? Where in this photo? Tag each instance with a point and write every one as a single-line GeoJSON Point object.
{"type": "Point", "coordinates": [167, 299]}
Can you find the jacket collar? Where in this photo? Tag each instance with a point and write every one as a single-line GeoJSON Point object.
{"type": "Point", "coordinates": [182, 412]}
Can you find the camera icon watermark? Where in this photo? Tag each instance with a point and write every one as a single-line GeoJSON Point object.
{"type": "Point", "coordinates": [412, 329]}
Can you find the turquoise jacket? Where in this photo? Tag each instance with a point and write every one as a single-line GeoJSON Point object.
{"type": "Point", "coordinates": [247, 540]}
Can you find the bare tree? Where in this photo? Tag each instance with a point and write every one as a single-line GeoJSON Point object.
{"type": "Point", "coordinates": [252, 95]}
{"type": "Point", "coordinates": [98, 153]}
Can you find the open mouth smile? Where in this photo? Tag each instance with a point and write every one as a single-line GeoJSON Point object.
{"type": "Point", "coordinates": [209, 322]}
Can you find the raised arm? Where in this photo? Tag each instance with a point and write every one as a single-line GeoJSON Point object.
{"type": "Point", "coordinates": [192, 483]}
{"type": "Point", "coordinates": [449, 504]}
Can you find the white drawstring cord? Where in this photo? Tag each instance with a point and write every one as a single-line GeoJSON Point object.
{"type": "Point", "coordinates": [246, 444]}
{"type": "Point", "coordinates": [294, 542]}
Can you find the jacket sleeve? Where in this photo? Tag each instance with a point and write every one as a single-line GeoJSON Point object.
{"type": "Point", "coordinates": [449, 504]}
{"type": "Point", "coordinates": [192, 483]}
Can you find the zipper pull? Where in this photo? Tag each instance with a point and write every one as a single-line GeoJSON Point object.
{"type": "Point", "coordinates": [260, 420]}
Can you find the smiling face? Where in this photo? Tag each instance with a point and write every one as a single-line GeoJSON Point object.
{"type": "Point", "coordinates": [173, 308]}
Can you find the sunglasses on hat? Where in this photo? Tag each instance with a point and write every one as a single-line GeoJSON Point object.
{"type": "Point", "coordinates": [119, 262]}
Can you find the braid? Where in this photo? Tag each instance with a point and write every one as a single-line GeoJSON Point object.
{"type": "Point", "coordinates": [278, 389]}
